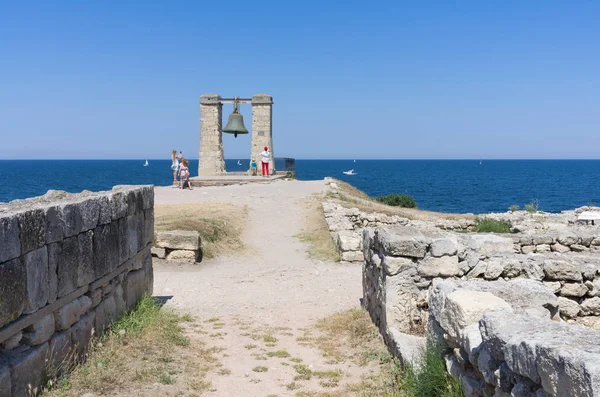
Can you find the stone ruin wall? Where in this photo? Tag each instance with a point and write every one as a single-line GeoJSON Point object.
{"type": "Point", "coordinates": [69, 266]}
{"type": "Point", "coordinates": [404, 267]}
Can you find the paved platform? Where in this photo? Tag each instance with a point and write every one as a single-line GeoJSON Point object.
{"type": "Point", "coordinates": [233, 178]}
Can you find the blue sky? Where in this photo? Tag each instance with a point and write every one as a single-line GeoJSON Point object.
{"type": "Point", "coordinates": [428, 79]}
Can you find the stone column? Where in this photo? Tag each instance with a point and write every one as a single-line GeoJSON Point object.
{"type": "Point", "coordinates": [262, 129]}
{"type": "Point", "coordinates": [212, 158]}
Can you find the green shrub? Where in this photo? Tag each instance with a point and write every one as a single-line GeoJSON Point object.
{"type": "Point", "coordinates": [492, 226]}
{"type": "Point", "coordinates": [398, 200]}
{"type": "Point", "coordinates": [430, 378]}
{"type": "Point", "coordinates": [514, 208]}
{"type": "Point", "coordinates": [532, 207]}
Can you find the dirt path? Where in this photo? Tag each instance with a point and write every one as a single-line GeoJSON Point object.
{"type": "Point", "coordinates": [257, 306]}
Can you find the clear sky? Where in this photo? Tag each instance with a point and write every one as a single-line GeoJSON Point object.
{"type": "Point", "coordinates": [350, 79]}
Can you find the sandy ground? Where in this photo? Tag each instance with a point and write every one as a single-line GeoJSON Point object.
{"type": "Point", "coordinates": [274, 289]}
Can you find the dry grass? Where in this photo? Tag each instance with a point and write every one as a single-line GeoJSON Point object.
{"type": "Point", "coordinates": [219, 225]}
{"type": "Point", "coordinates": [351, 196]}
{"type": "Point", "coordinates": [145, 347]}
{"type": "Point", "coordinates": [316, 232]}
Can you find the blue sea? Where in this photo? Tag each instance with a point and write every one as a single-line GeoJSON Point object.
{"type": "Point", "coordinates": [437, 185]}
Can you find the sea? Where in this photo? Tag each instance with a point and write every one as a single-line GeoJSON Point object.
{"type": "Point", "coordinates": [458, 186]}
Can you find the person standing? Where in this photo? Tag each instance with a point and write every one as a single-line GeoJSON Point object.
{"type": "Point", "coordinates": [266, 157]}
{"type": "Point", "coordinates": [174, 165]}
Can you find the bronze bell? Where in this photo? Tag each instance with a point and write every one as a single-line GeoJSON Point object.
{"type": "Point", "coordinates": [235, 124]}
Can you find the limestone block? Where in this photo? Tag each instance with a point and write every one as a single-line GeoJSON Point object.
{"type": "Point", "coordinates": [160, 253]}
{"type": "Point", "coordinates": [118, 204]}
{"type": "Point", "coordinates": [14, 293]}
{"type": "Point", "coordinates": [147, 192]}
{"type": "Point", "coordinates": [82, 332]}
{"type": "Point", "coordinates": [89, 209]}
{"type": "Point", "coordinates": [182, 256]}
{"type": "Point", "coordinates": [399, 295]}
{"type": "Point", "coordinates": [149, 274]}
{"type": "Point", "coordinates": [590, 271]}
{"type": "Point", "coordinates": [36, 267]}
{"type": "Point", "coordinates": [85, 267]}
{"type": "Point", "coordinates": [488, 244]}
{"type": "Point", "coordinates": [526, 240]}
{"type": "Point", "coordinates": [542, 248]}
{"type": "Point", "coordinates": [105, 211]}
{"type": "Point", "coordinates": [568, 307]}
{"type": "Point", "coordinates": [591, 306]}
{"type": "Point", "coordinates": [9, 236]}
{"type": "Point", "coordinates": [346, 241]}
{"type": "Point", "coordinates": [32, 229]}
{"type": "Point", "coordinates": [120, 300]}
{"type": "Point", "coordinates": [542, 239]}
{"type": "Point", "coordinates": [179, 240]}
{"type": "Point", "coordinates": [64, 257]}
{"type": "Point", "coordinates": [71, 312]}
{"type": "Point", "coordinates": [409, 348]}
{"type": "Point", "coordinates": [40, 331]}
{"type": "Point", "coordinates": [590, 321]}
{"type": "Point", "coordinates": [553, 285]}
{"type": "Point", "coordinates": [487, 365]}
{"type": "Point", "coordinates": [453, 366]}
{"type": "Point", "coordinates": [560, 248]}
{"type": "Point", "coordinates": [470, 340]}
{"type": "Point", "coordinates": [402, 241]}
{"type": "Point", "coordinates": [446, 266]}
{"type": "Point", "coordinates": [348, 256]}
{"type": "Point", "coordinates": [595, 241]}
{"type": "Point", "coordinates": [106, 247]}
{"type": "Point", "coordinates": [53, 251]}
{"type": "Point", "coordinates": [122, 232]}
{"type": "Point", "coordinates": [72, 217]}
{"type": "Point", "coordinates": [60, 351]}
{"type": "Point", "coordinates": [494, 269]}
{"type": "Point", "coordinates": [533, 271]}
{"type": "Point", "coordinates": [567, 238]}
{"type": "Point", "coordinates": [573, 289]}
{"type": "Point", "coordinates": [478, 270]}
{"type": "Point", "coordinates": [443, 246]}
{"type": "Point", "coordinates": [55, 223]}
{"type": "Point", "coordinates": [394, 265]}
{"type": "Point", "coordinates": [95, 296]}
{"type": "Point", "coordinates": [471, 387]}
{"type": "Point", "coordinates": [561, 270]}
{"type": "Point", "coordinates": [13, 341]}
{"type": "Point", "coordinates": [579, 248]}
{"type": "Point", "coordinates": [28, 369]}
{"type": "Point", "coordinates": [134, 288]}
{"type": "Point", "coordinates": [148, 227]}
{"type": "Point", "coordinates": [133, 237]}
{"type": "Point", "coordinates": [512, 268]}
{"type": "Point", "coordinates": [5, 383]}
{"type": "Point", "coordinates": [465, 307]}
{"type": "Point", "coordinates": [528, 249]}
{"type": "Point", "coordinates": [135, 202]}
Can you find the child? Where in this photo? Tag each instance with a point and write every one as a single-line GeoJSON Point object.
{"type": "Point", "coordinates": [174, 165]}
{"type": "Point", "coordinates": [184, 175]}
{"type": "Point", "coordinates": [253, 167]}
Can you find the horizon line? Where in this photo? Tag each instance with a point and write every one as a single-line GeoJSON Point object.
{"type": "Point", "coordinates": [318, 159]}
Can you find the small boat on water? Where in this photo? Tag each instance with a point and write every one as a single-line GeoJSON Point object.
{"type": "Point", "coordinates": [146, 163]}
{"type": "Point", "coordinates": [239, 162]}
{"type": "Point", "coordinates": [350, 172]}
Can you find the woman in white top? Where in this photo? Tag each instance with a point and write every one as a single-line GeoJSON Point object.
{"type": "Point", "coordinates": [174, 165]}
{"type": "Point", "coordinates": [266, 156]}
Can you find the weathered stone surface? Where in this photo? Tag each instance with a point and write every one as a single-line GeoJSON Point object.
{"type": "Point", "coordinates": [579, 248]}
{"type": "Point", "coordinates": [71, 312]}
{"type": "Point", "coordinates": [13, 341]}
{"type": "Point", "coordinates": [487, 244]}
{"type": "Point", "coordinates": [28, 369]}
{"type": "Point", "coordinates": [408, 348]}
{"type": "Point", "coordinates": [441, 246]}
{"type": "Point", "coordinates": [55, 223]}
{"type": "Point", "coordinates": [553, 285]}
{"type": "Point", "coordinates": [478, 270]}
{"type": "Point", "coordinates": [542, 239]}
{"type": "Point", "coordinates": [567, 238]}
{"type": "Point", "coordinates": [82, 332]}
{"type": "Point", "coordinates": [347, 256]}
{"type": "Point", "coordinates": [72, 217]}
{"type": "Point", "coordinates": [60, 350]}
{"type": "Point", "coordinates": [494, 269]}
{"type": "Point", "coordinates": [14, 293]}
{"type": "Point", "coordinates": [512, 268]}
{"type": "Point", "coordinates": [89, 209]}
{"type": "Point", "coordinates": [568, 307]}
{"type": "Point", "coordinates": [346, 241]}
{"type": "Point", "coordinates": [5, 384]}
{"type": "Point", "coordinates": [148, 235]}
{"type": "Point", "coordinates": [561, 270]}
{"type": "Point", "coordinates": [542, 248]}
{"type": "Point", "coordinates": [160, 253]}
{"type": "Point", "coordinates": [106, 246]}
{"type": "Point", "coordinates": [85, 267]}
{"type": "Point", "coordinates": [95, 296]}
{"type": "Point", "coordinates": [559, 248]}
{"type": "Point", "coordinates": [446, 266]}
{"type": "Point", "coordinates": [533, 271]}
{"type": "Point", "coordinates": [134, 288]}
{"type": "Point", "coordinates": [573, 289]}
{"type": "Point", "coordinates": [182, 256]}
{"type": "Point", "coordinates": [40, 331]}
{"type": "Point", "coordinates": [118, 204]}
{"type": "Point", "coordinates": [64, 257]}
{"type": "Point", "coordinates": [465, 307]}
{"type": "Point", "coordinates": [394, 265]}
{"type": "Point", "coordinates": [106, 312]}
{"type": "Point", "coordinates": [590, 271]}
{"type": "Point", "coordinates": [528, 249]}
{"type": "Point", "coordinates": [105, 212]}
{"type": "Point", "coordinates": [402, 241]}
{"type": "Point", "coordinates": [591, 306]}
{"type": "Point", "coordinates": [36, 267]}
{"type": "Point", "coordinates": [186, 240]}
{"type": "Point", "coordinates": [9, 236]}
{"type": "Point", "coordinates": [32, 229]}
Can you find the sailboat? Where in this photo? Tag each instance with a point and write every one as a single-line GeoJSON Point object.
{"type": "Point", "coordinates": [351, 172]}
{"type": "Point", "coordinates": [239, 162]}
{"type": "Point", "coordinates": [146, 163]}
